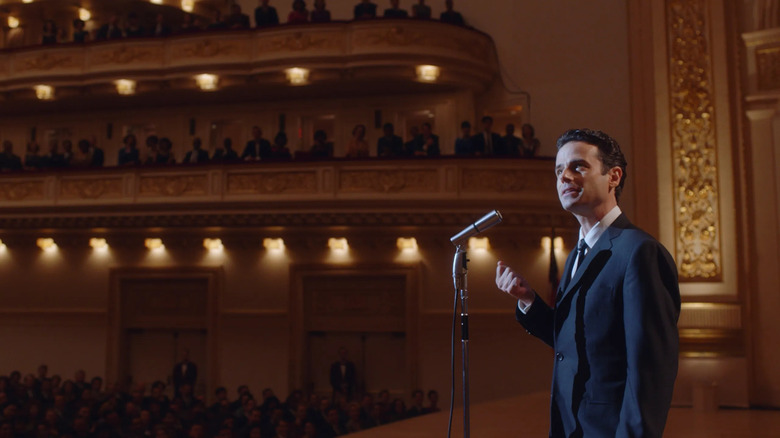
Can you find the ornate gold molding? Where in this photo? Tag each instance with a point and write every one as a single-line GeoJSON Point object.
{"type": "Point", "coordinates": [506, 180]}
{"type": "Point", "coordinates": [272, 183]}
{"type": "Point", "coordinates": [694, 145]}
{"type": "Point", "coordinates": [768, 65]}
{"type": "Point", "coordinates": [21, 190]}
{"type": "Point", "coordinates": [173, 185]}
{"type": "Point", "coordinates": [91, 188]}
{"type": "Point", "coordinates": [389, 181]}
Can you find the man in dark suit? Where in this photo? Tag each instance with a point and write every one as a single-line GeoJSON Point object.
{"type": "Point", "coordinates": [184, 372]}
{"type": "Point", "coordinates": [614, 323]}
{"type": "Point", "coordinates": [342, 375]}
{"type": "Point", "coordinates": [197, 154]}
{"type": "Point", "coordinates": [486, 142]}
{"type": "Point", "coordinates": [389, 145]}
{"type": "Point", "coordinates": [256, 148]}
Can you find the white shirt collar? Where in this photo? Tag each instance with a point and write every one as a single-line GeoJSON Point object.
{"type": "Point", "coordinates": [593, 235]}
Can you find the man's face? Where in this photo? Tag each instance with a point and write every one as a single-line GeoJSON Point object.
{"type": "Point", "coordinates": [487, 125]}
{"type": "Point", "coordinates": [582, 188]}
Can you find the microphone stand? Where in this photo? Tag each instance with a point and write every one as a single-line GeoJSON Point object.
{"type": "Point", "coordinates": [459, 276]}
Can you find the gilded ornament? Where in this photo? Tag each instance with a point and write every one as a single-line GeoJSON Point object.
{"type": "Point", "coordinates": [91, 188]}
{"type": "Point", "coordinates": [126, 55]}
{"type": "Point", "coordinates": [174, 186]}
{"type": "Point", "coordinates": [47, 61]}
{"type": "Point", "coordinates": [504, 180]}
{"type": "Point", "coordinates": [297, 42]}
{"type": "Point", "coordinates": [768, 66]}
{"type": "Point", "coordinates": [20, 191]}
{"type": "Point", "coordinates": [272, 183]}
{"type": "Point", "coordinates": [389, 181]}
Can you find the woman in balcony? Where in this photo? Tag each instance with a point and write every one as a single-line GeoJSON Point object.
{"type": "Point", "coordinates": [299, 14]}
{"type": "Point", "coordinates": [320, 14]}
{"type": "Point", "coordinates": [421, 11]}
{"type": "Point", "coordinates": [128, 155]}
{"type": "Point", "coordinates": [358, 147]}
{"type": "Point", "coordinates": [80, 34]}
{"type": "Point", "coordinates": [321, 148]}
{"type": "Point", "coordinates": [49, 33]}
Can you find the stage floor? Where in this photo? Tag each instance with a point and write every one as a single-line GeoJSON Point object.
{"type": "Point", "coordinates": [527, 416]}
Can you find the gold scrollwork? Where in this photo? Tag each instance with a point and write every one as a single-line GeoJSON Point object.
{"type": "Point", "coordinates": [271, 183]}
{"type": "Point", "coordinates": [172, 185]}
{"type": "Point", "coordinates": [47, 62]}
{"type": "Point", "coordinates": [91, 188]}
{"type": "Point", "coordinates": [768, 66]}
{"type": "Point", "coordinates": [504, 180]}
{"type": "Point", "coordinates": [694, 146]}
{"type": "Point", "coordinates": [389, 181]}
{"type": "Point", "coordinates": [209, 49]}
{"type": "Point", "coordinates": [126, 55]}
{"type": "Point", "coordinates": [297, 42]}
{"type": "Point", "coordinates": [20, 191]}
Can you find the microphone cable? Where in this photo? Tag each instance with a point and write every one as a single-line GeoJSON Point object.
{"type": "Point", "coordinates": [452, 362]}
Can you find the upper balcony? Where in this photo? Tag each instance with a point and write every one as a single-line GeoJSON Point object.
{"type": "Point", "coordinates": [343, 58]}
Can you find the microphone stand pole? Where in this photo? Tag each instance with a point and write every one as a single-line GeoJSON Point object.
{"type": "Point", "coordinates": [459, 276]}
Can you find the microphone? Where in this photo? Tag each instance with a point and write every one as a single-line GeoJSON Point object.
{"type": "Point", "coordinates": [487, 221]}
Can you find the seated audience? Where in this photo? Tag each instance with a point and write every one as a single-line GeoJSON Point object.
{"type": "Point", "coordinates": [265, 15]}
{"type": "Point", "coordinates": [358, 147]}
{"type": "Point", "coordinates": [110, 30]}
{"type": "Point", "coordinates": [320, 14]}
{"type": "Point", "coordinates": [165, 152]}
{"type": "Point", "coordinates": [450, 16]}
{"type": "Point", "coordinates": [225, 153]}
{"type": "Point", "coordinates": [421, 11]}
{"type": "Point", "coordinates": [433, 400]}
{"type": "Point", "coordinates": [257, 147]}
{"type": "Point", "coordinates": [196, 154]}
{"type": "Point", "coordinates": [49, 33]}
{"type": "Point", "coordinates": [279, 150]}
{"type": "Point", "coordinates": [463, 144]}
{"type": "Point", "coordinates": [188, 25]}
{"type": "Point", "coordinates": [128, 155]}
{"type": "Point", "coordinates": [394, 11]}
{"type": "Point", "coordinates": [80, 34]}
{"type": "Point", "coordinates": [218, 23]}
{"type": "Point", "coordinates": [365, 10]}
{"type": "Point", "coordinates": [321, 148]}
{"type": "Point", "coordinates": [299, 14]}
{"type": "Point", "coordinates": [511, 143]}
{"type": "Point", "coordinates": [389, 145]}
{"type": "Point", "coordinates": [31, 158]}
{"type": "Point", "coordinates": [530, 144]}
{"type": "Point", "coordinates": [9, 161]}
{"type": "Point", "coordinates": [67, 152]}
{"type": "Point", "coordinates": [417, 409]}
{"type": "Point", "coordinates": [96, 156]}
{"type": "Point", "coordinates": [237, 19]}
{"type": "Point", "coordinates": [486, 142]}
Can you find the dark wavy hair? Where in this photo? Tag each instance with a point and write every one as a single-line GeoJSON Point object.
{"type": "Point", "coordinates": [609, 151]}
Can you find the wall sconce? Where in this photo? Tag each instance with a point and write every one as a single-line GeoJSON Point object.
{"type": "Point", "coordinates": [338, 244]}
{"type": "Point", "coordinates": [98, 243]}
{"type": "Point", "coordinates": [154, 244]}
{"type": "Point", "coordinates": [406, 243]}
{"type": "Point", "coordinates": [44, 92]}
{"type": "Point", "coordinates": [157, 2]}
{"type": "Point", "coordinates": [272, 244]}
{"type": "Point", "coordinates": [13, 22]}
{"type": "Point", "coordinates": [214, 245]}
{"type": "Point", "coordinates": [125, 87]}
{"type": "Point", "coordinates": [558, 243]}
{"type": "Point", "coordinates": [187, 5]}
{"type": "Point", "coordinates": [428, 73]}
{"type": "Point", "coordinates": [2, 246]}
{"type": "Point", "coordinates": [297, 75]}
{"type": "Point", "coordinates": [27, 1]}
{"type": "Point", "coordinates": [480, 243]}
{"type": "Point", "coordinates": [46, 244]}
{"type": "Point", "coordinates": [207, 82]}
{"type": "Point", "coordinates": [84, 14]}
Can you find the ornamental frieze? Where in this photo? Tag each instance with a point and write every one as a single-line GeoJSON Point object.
{"type": "Point", "coordinates": [92, 188]}
{"type": "Point", "coordinates": [389, 181]}
{"type": "Point", "coordinates": [299, 42]}
{"type": "Point", "coordinates": [506, 180]}
{"type": "Point", "coordinates": [22, 190]}
{"type": "Point", "coordinates": [694, 144]}
{"type": "Point", "coordinates": [271, 183]}
{"type": "Point", "coordinates": [210, 49]}
{"type": "Point", "coordinates": [127, 54]}
{"type": "Point", "coordinates": [48, 61]}
{"type": "Point", "coordinates": [174, 186]}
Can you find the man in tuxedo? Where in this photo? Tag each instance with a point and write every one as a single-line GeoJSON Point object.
{"type": "Point", "coordinates": [486, 142]}
{"type": "Point", "coordinates": [184, 373]}
{"type": "Point", "coordinates": [256, 148]}
{"type": "Point", "coordinates": [197, 154]}
{"type": "Point", "coordinates": [342, 376]}
{"type": "Point", "coordinates": [613, 326]}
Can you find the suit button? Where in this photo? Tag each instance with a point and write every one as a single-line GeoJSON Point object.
{"type": "Point", "coordinates": [559, 356]}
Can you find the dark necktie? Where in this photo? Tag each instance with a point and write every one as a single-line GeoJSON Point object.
{"type": "Point", "coordinates": [582, 249]}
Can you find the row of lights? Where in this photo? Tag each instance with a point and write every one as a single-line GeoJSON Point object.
{"type": "Point", "coordinates": [271, 244]}
{"type": "Point", "coordinates": [86, 15]}
{"type": "Point", "coordinates": [210, 82]}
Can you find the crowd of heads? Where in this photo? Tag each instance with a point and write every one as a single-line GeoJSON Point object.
{"type": "Point", "coordinates": [43, 406]}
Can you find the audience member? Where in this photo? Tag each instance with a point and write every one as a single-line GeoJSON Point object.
{"type": "Point", "coordinates": [433, 400]}
{"type": "Point", "coordinates": [279, 150]}
{"type": "Point", "coordinates": [397, 411]}
{"type": "Point", "coordinates": [530, 144]}
{"type": "Point", "coordinates": [133, 28]}
{"type": "Point", "coordinates": [343, 375]}
{"type": "Point", "coordinates": [80, 34]}
{"type": "Point", "coordinates": [421, 11]}
{"type": "Point", "coordinates": [463, 144]}
{"type": "Point", "coordinates": [96, 159]}
{"type": "Point", "coordinates": [8, 160]}
{"type": "Point", "coordinates": [67, 152]}
{"type": "Point", "coordinates": [218, 23]}
{"type": "Point", "coordinates": [414, 137]}
{"type": "Point", "coordinates": [257, 147]}
{"type": "Point", "coordinates": [152, 144]}
{"type": "Point", "coordinates": [265, 15]}
{"type": "Point", "coordinates": [110, 30]}
{"type": "Point", "coordinates": [197, 154]}
{"type": "Point", "coordinates": [486, 142]}
{"type": "Point", "coordinates": [188, 25]}
{"type": "Point", "coordinates": [358, 147]}
{"type": "Point", "coordinates": [365, 10]}
{"type": "Point", "coordinates": [165, 152]}
{"type": "Point", "coordinates": [128, 155]}
{"type": "Point", "coordinates": [389, 145]}
{"type": "Point", "coordinates": [161, 28]}
{"type": "Point", "coordinates": [451, 16]}
{"type": "Point", "coordinates": [225, 153]}
{"type": "Point", "coordinates": [321, 148]}
{"type": "Point", "coordinates": [417, 409]}
{"type": "Point", "coordinates": [49, 33]}
{"type": "Point", "coordinates": [426, 143]}
{"type": "Point", "coordinates": [237, 19]}
{"type": "Point", "coordinates": [320, 14]}
{"type": "Point", "coordinates": [299, 14]}
{"type": "Point", "coordinates": [511, 143]}
{"type": "Point", "coordinates": [394, 11]}
{"type": "Point", "coordinates": [53, 158]}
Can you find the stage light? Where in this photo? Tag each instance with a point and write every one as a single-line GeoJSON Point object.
{"type": "Point", "coordinates": [213, 245]}
{"type": "Point", "coordinates": [46, 244]}
{"type": "Point", "coordinates": [98, 243]}
{"type": "Point", "coordinates": [207, 82]}
{"type": "Point", "coordinates": [125, 87]}
{"type": "Point", "coordinates": [84, 14]}
{"type": "Point", "coordinates": [297, 75]}
{"type": "Point", "coordinates": [154, 244]}
{"type": "Point", "coordinates": [44, 92]}
{"type": "Point", "coordinates": [187, 5]}
{"type": "Point", "coordinates": [27, 1]}
{"type": "Point", "coordinates": [272, 244]}
{"type": "Point", "coordinates": [338, 244]}
{"type": "Point", "coordinates": [479, 243]}
{"type": "Point", "coordinates": [406, 243]}
{"type": "Point", "coordinates": [13, 22]}
{"type": "Point", "coordinates": [157, 2]}
{"type": "Point", "coordinates": [428, 73]}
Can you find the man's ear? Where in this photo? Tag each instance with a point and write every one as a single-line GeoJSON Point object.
{"type": "Point", "coordinates": [615, 175]}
